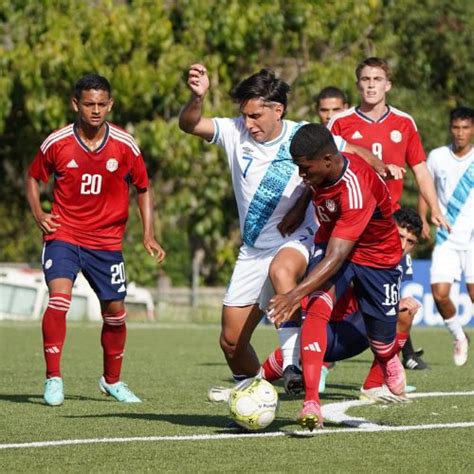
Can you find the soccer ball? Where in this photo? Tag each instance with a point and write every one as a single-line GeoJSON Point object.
{"type": "Point", "coordinates": [253, 404]}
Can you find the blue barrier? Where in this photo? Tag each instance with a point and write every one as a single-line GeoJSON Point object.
{"type": "Point", "coordinates": [420, 289]}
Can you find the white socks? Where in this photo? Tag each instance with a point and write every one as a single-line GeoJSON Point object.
{"type": "Point", "coordinates": [455, 328]}
{"type": "Point", "coordinates": [290, 345]}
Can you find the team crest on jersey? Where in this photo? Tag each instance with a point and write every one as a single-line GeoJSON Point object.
{"type": "Point", "coordinates": [330, 205]}
{"type": "Point", "coordinates": [111, 165]}
{"type": "Point", "coordinates": [48, 264]}
{"type": "Point", "coordinates": [396, 136]}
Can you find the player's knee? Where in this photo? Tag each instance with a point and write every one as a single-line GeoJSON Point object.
{"type": "Point", "coordinates": [283, 277]}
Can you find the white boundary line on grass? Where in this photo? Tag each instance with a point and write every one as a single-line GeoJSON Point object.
{"type": "Point", "coordinates": [333, 409]}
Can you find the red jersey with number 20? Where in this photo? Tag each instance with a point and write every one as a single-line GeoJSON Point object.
{"type": "Point", "coordinates": [393, 138]}
{"type": "Point", "coordinates": [91, 188]}
{"type": "Point", "coordinates": [358, 207]}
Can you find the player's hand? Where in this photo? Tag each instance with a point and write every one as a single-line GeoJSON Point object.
{"type": "Point", "coordinates": [281, 308]}
{"type": "Point", "coordinates": [290, 222]}
{"type": "Point", "coordinates": [198, 80]}
{"type": "Point", "coordinates": [48, 223]}
{"type": "Point", "coordinates": [154, 249]}
{"type": "Point", "coordinates": [439, 220]}
{"type": "Point", "coordinates": [409, 304]}
{"type": "Point", "coordinates": [394, 172]}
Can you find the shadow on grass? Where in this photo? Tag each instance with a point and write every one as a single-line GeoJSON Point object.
{"type": "Point", "coordinates": [38, 399]}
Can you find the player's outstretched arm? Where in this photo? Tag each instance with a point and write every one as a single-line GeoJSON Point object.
{"type": "Point", "coordinates": [427, 189]}
{"type": "Point", "coordinates": [145, 204]}
{"type": "Point", "coordinates": [281, 307]}
{"type": "Point", "coordinates": [191, 119]}
{"type": "Point", "coordinates": [45, 221]}
{"type": "Point", "coordinates": [295, 216]}
{"type": "Point", "coordinates": [423, 211]}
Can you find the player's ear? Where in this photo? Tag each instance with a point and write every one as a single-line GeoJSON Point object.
{"type": "Point", "coordinates": [74, 103]}
{"type": "Point", "coordinates": [111, 104]}
{"type": "Point", "coordinates": [388, 86]}
{"type": "Point", "coordinates": [279, 109]}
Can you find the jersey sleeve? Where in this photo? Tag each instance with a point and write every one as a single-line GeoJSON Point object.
{"type": "Point", "coordinates": [139, 175]}
{"type": "Point", "coordinates": [340, 142]}
{"type": "Point", "coordinates": [224, 131]}
{"type": "Point", "coordinates": [334, 127]}
{"type": "Point", "coordinates": [430, 163]}
{"type": "Point", "coordinates": [415, 153]}
{"type": "Point", "coordinates": [42, 166]}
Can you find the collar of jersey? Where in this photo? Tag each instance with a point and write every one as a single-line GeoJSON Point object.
{"type": "Point", "coordinates": [277, 139]}
{"type": "Point", "coordinates": [368, 119]}
{"type": "Point", "coordinates": [85, 147]}
{"type": "Point", "coordinates": [460, 158]}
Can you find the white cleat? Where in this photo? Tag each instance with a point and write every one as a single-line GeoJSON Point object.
{"type": "Point", "coordinates": [219, 394]}
{"type": "Point", "coordinates": [461, 350]}
{"type": "Point", "coordinates": [381, 394]}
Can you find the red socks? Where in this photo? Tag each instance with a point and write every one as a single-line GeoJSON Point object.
{"type": "Point", "coordinates": [54, 332]}
{"type": "Point", "coordinates": [114, 334]}
{"type": "Point", "coordinates": [272, 368]}
{"type": "Point", "coordinates": [314, 341]}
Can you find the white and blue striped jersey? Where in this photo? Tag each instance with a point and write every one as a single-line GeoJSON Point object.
{"type": "Point", "coordinates": [265, 180]}
{"type": "Point", "coordinates": [454, 181]}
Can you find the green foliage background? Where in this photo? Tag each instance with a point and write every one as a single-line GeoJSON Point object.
{"type": "Point", "coordinates": [144, 48]}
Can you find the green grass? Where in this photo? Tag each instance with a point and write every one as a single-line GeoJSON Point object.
{"type": "Point", "coordinates": [171, 368]}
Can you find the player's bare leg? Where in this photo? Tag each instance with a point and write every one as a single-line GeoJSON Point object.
{"type": "Point", "coordinates": [238, 325]}
{"type": "Point", "coordinates": [447, 309]}
{"type": "Point", "coordinates": [286, 270]}
{"type": "Point", "coordinates": [114, 334]}
{"type": "Point", "coordinates": [54, 335]}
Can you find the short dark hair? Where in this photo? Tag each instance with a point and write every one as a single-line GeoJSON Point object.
{"type": "Point", "coordinates": [461, 113]}
{"type": "Point", "coordinates": [265, 85]}
{"type": "Point", "coordinates": [374, 62]}
{"type": "Point", "coordinates": [330, 92]}
{"type": "Point", "coordinates": [409, 219]}
{"type": "Point", "coordinates": [89, 82]}
{"type": "Point", "coordinates": [310, 140]}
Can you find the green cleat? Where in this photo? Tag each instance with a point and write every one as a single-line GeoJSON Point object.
{"type": "Point", "coordinates": [119, 391]}
{"type": "Point", "coordinates": [54, 391]}
{"type": "Point", "coordinates": [322, 380]}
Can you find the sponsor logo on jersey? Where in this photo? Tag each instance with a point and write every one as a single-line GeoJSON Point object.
{"type": "Point", "coordinates": [357, 135]}
{"type": "Point", "coordinates": [396, 136]}
{"type": "Point", "coordinates": [331, 205]}
{"type": "Point", "coordinates": [392, 312]}
{"type": "Point", "coordinates": [121, 289]}
{"type": "Point", "coordinates": [111, 165]}
{"type": "Point", "coordinates": [248, 150]}
{"type": "Point", "coordinates": [313, 347]}
{"type": "Point", "coordinates": [72, 164]}
{"type": "Point", "coordinates": [48, 264]}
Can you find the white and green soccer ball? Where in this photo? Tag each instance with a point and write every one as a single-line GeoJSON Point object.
{"type": "Point", "coordinates": [253, 404]}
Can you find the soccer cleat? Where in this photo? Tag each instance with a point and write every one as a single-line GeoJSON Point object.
{"type": "Point", "coordinates": [54, 391]}
{"type": "Point", "coordinates": [381, 394]}
{"type": "Point", "coordinates": [293, 380]}
{"type": "Point", "coordinates": [310, 416]}
{"type": "Point", "coordinates": [461, 350]}
{"type": "Point", "coordinates": [119, 391]}
{"type": "Point", "coordinates": [322, 380]}
{"type": "Point", "coordinates": [218, 394]}
{"type": "Point", "coordinates": [410, 389]}
{"type": "Point", "coordinates": [415, 362]}
{"type": "Point", "coordinates": [394, 375]}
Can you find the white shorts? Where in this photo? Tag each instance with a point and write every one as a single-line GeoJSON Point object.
{"type": "Point", "coordinates": [447, 264]}
{"type": "Point", "coordinates": [250, 283]}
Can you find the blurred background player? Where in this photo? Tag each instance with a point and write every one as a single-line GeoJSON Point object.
{"type": "Point", "coordinates": [329, 102]}
{"type": "Point", "coordinates": [452, 168]}
{"type": "Point", "coordinates": [357, 242]}
{"type": "Point", "coordinates": [267, 188]}
{"type": "Point", "coordinates": [392, 136]}
{"type": "Point", "coordinates": [93, 163]}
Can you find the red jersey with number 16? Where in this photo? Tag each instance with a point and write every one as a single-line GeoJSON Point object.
{"type": "Point", "coordinates": [358, 207]}
{"type": "Point", "coordinates": [393, 138]}
{"type": "Point", "coordinates": [91, 188]}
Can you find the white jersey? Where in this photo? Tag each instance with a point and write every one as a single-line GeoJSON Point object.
{"type": "Point", "coordinates": [454, 181]}
{"type": "Point", "coordinates": [265, 180]}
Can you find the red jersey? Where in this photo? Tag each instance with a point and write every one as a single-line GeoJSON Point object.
{"type": "Point", "coordinates": [394, 139]}
{"type": "Point", "coordinates": [358, 207]}
{"type": "Point", "coordinates": [91, 188]}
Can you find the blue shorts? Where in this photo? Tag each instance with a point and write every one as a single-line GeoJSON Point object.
{"type": "Point", "coordinates": [346, 338]}
{"type": "Point", "coordinates": [103, 269]}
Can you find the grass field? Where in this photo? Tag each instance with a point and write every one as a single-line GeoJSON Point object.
{"type": "Point", "coordinates": [171, 368]}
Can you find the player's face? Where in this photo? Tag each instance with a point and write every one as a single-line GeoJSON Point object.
{"type": "Point", "coordinates": [313, 171]}
{"type": "Point", "coordinates": [329, 107]}
{"type": "Point", "coordinates": [373, 85]}
{"type": "Point", "coordinates": [92, 107]}
{"type": "Point", "coordinates": [262, 119]}
{"type": "Point", "coordinates": [407, 239]}
{"type": "Point", "coordinates": [461, 131]}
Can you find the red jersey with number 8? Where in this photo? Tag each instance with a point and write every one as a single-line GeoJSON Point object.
{"type": "Point", "coordinates": [358, 207]}
{"type": "Point", "coordinates": [394, 139]}
{"type": "Point", "coordinates": [91, 188]}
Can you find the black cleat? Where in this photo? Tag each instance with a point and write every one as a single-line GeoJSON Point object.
{"type": "Point", "coordinates": [293, 380]}
{"type": "Point", "coordinates": [415, 362]}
